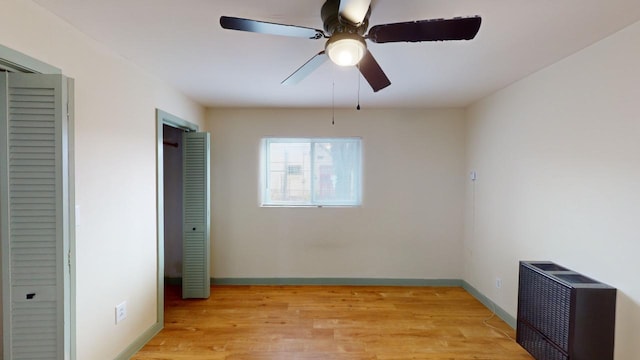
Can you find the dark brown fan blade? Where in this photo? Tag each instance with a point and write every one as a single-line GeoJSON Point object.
{"type": "Point", "coordinates": [372, 72]}
{"type": "Point", "coordinates": [262, 27]}
{"type": "Point", "coordinates": [306, 69]}
{"type": "Point", "coordinates": [426, 30]}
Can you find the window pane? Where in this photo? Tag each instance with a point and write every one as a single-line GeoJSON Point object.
{"type": "Point", "coordinates": [306, 172]}
{"type": "Point", "coordinates": [336, 169]}
{"type": "Point", "coordinates": [289, 172]}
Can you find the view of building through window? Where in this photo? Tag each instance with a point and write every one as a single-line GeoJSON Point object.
{"type": "Point", "coordinates": [307, 172]}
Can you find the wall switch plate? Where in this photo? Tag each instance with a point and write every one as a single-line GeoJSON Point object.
{"type": "Point", "coordinates": [121, 311]}
{"type": "Point", "coordinates": [498, 283]}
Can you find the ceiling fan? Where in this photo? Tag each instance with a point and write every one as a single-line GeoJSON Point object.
{"type": "Point", "coordinates": [345, 26]}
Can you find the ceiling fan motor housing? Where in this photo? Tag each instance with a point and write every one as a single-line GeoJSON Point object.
{"type": "Point", "coordinates": [334, 23]}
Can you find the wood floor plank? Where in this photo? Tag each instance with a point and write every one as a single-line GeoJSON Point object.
{"type": "Point", "coordinates": [331, 322]}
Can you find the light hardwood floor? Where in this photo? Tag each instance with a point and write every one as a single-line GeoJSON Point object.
{"type": "Point", "coordinates": [331, 322]}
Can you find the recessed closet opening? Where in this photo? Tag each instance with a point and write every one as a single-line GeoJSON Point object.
{"type": "Point", "coordinates": [173, 177]}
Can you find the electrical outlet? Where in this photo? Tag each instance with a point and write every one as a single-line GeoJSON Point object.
{"type": "Point", "coordinates": [121, 311]}
{"type": "Point", "coordinates": [498, 283]}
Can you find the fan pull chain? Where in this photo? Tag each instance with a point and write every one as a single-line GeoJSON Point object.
{"type": "Point", "coordinates": [333, 104]}
{"type": "Point", "coordinates": [358, 107]}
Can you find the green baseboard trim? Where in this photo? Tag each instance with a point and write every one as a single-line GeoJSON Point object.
{"type": "Point", "coordinates": [140, 342]}
{"type": "Point", "coordinates": [326, 281]}
{"type": "Point", "coordinates": [500, 312]}
{"type": "Point", "coordinates": [337, 281]}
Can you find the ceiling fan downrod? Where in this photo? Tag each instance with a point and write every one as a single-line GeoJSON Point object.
{"type": "Point", "coordinates": [334, 23]}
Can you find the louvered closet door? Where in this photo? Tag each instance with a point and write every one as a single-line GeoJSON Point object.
{"type": "Point", "coordinates": [34, 215]}
{"type": "Point", "coordinates": [195, 262]}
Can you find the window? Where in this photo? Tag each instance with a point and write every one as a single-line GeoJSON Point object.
{"type": "Point", "coordinates": [311, 171]}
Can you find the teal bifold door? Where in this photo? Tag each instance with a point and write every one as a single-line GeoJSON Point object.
{"type": "Point", "coordinates": [196, 219]}
{"type": "Point", "coordinates": [34, 215]}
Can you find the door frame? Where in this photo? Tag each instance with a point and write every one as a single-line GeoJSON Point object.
{"type": "Point", "coordinates": [17, 62]}
{"type": "Point", "coordinates": [163, 118]}
{"type": "Point", "coordinates": [14, 61]}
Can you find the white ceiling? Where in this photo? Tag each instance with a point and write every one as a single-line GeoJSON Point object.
{"type": "Point", "coordinates": [181, 41]}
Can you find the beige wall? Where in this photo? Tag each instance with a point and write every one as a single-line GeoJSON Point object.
{"type": "Point", "coordinates": [557, 156]}
{"type": "Point", "coordinates": [558, 162]}
{"type": "Point", "coordinates": [410, 223]}
{"type": "Point", "coordinates": [115, 173]}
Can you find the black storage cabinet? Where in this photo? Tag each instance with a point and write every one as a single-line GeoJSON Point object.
{"type": "Point", "coordinates": [563, 315]}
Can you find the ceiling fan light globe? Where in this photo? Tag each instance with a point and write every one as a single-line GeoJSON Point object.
{"type": "Point", "coordinates": [347, 51]}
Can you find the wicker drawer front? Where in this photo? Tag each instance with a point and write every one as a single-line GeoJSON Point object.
{"type": "Point", "coordinates": [546, 305]}
{"type": "Point", "coordinates": [538, 346]}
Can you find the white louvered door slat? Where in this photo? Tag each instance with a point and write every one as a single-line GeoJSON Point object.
{"type": "Point", "coordinates": [36, 190]}
{"type": "Point", "coordinates": [195, 265]}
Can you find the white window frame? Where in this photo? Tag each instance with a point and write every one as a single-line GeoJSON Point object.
{"type": "Point", "coordinates": [265, 201]}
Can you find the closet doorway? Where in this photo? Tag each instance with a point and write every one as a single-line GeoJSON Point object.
{"type": "Point", "coordinates": [173, 197]}
{"type": "Point", "coordinates": [36, 225]}
{"type": "Point", "coordinates": [183, 208]}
